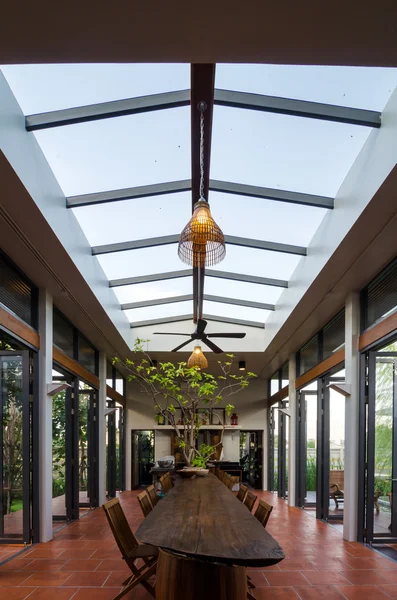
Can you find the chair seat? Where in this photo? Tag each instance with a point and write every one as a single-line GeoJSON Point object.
{"type": "Point", "coordinates": [143, 551]}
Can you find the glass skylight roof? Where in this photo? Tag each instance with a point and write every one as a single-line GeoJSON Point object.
{"type": "Point", "coordinates": [248, 147]}
{"type": "Point", "coordinates": [357, 87]}
{"type": "Point", "coordinates": [120, 152]}
{"type": "Point", "coordinates": [283, 152]}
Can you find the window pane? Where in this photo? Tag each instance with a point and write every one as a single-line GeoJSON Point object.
{"type": "Point", "coordinates": [358, 87]}
{"type": "Point", "coordinates": [141, 262]}
{"type": "Point", "coordinates": [235, 312]}
{"type": "Point", "coordinates": [241, 290]}
{"type": "Point", "coordinates": [121, 152]}
{"type": "Point", "coordinates": [158, 312]}
{"type": "Point", "coordinates": [265, 219]}
{"type": "Point", "coordinates": [154, 290]}
{"type": "Point", "coordinates": [262, 263]}
{"type": "Point", "coordinates": [280, 151]}
{"type": "Point", "coordinates": [135, 219]}
{"type": "Point", "coordinates": [42, 88]}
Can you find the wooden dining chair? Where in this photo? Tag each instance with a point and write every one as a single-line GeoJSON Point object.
{"type": "Point", "coordinates": [131, 550]}
{"type": "Point", "coordinates": [144, 503]}
{"type": "Point", "coordinates": [262, 512]}
{"type": "Point", "coordinates": [169, 477]}
{"type": "Point", "coordinates": [152, 495]}
{"type": "Point", "coordinates": [165, 483]}
{"type": "Point", "coordinates": [250, 500]}
{"type": "Point", "coordinates": [241, 493]}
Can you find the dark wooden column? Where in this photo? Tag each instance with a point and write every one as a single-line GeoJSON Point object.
{"type": "Point", "coordinates": [202, 90]}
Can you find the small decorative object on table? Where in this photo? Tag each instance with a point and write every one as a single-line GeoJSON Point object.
{"type": "Point", "coordinates": [187, 473]}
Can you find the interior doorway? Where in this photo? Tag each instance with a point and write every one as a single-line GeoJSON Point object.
{"type": "Point", "coordinates": [251, 458]}
{"type": "Point", "coordinates": [143, 452]}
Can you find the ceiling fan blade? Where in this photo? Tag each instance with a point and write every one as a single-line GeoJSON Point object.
{"type": "Point", "coordinates": [239, 336]}
{"type": "Point", "coordinates": [201, 325]}
{"type": "Point", "coordinates": [181, 346]}
{"type": "Point", "coordinates": [169, 333]}
{"type": "Point", "coordinates": [211, 345]}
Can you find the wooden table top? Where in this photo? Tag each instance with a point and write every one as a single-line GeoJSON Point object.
{"type": "Point", "coordinates": [201, 517]}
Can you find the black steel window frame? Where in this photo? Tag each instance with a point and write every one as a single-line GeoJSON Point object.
{"type": "Point", "coordinates": [365, 322]}
{"type": "Point", "coordinates": [77, 336]}
{"type": "Point", "coordinates": [34, 300]}
{"type": "Point", "coordinates": [281, 446]}
{"type": "Point", "coordinates": [114, 377]}
{"type": "Point", "coordinates": [319, 337]}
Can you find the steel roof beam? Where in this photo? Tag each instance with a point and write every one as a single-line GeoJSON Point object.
{"type": "Point", "coordinates": [298, 108]}
{"type": "Point", "coordinates": [187, 297]}
{"type": "Point", "coordinates": [107, 110]}
{"type": "Point", "coordinates": [173, 239]}
{"type": "Point", "coordinates": [179, 318]}
{"type": "Point", "coordinates": [143, 191]}
{"type": "Point", "coordinates": [253, 191]}
{"type": "Point", "coordinates": [188, 273]}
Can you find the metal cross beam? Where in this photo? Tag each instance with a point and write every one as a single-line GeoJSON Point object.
{"type": "Point", "coordinates": [253, 191]}
{"type": "Point", "coordinates": [188, 272]}
{"type": "Point", "coordinates": [179, 318]}
{"type": "Point", "coordinates": [107, 110]}
{"type": "Point", "coordinates": [298, 108]}
{"type": "Point", "coordinates": [173, 239]}
{"type": "Point", "coordinates": [187, 297]}
{"type": "Point", "coordinates": [142, 191]}
{"type": "Point", "coordinates": [185, 185]}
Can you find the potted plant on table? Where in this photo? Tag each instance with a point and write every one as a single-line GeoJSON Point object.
{"type": "Point", "coordinates": [177, 386]}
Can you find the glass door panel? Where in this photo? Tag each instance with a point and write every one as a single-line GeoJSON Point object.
{"type": "Point", "coordinates": [14, 447]}
{"type": "Point", "coordinates": [307, 447]}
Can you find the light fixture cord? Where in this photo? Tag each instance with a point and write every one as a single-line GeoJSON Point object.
{"type": "Point", "coordinates": [202, 106]}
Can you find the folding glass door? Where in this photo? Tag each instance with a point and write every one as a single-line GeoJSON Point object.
{"type": "Point", "coordinates": [278, 449]}
{"type": "Point", "coordinates": [15, 447]}
{"type": "Point", "coordinates": [381, 446]}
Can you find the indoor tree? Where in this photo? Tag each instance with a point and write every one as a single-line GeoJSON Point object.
{"type": "Point", "coordinates": [178, 391]}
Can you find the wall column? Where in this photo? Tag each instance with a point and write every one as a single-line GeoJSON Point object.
{"type": "Point", "coordinates": [352, 368]}
{"type": "Point", "coordinates": [292, 396]}
{"type": "Point", "coordinates": [102, 430]}
{"type": "Point", "coordinates": [45, 415]}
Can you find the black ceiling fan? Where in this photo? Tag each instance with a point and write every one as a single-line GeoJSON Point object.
{"type": "Point", "coordinates": [199, 334]}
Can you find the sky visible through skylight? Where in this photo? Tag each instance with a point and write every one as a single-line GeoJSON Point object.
{"type": "Point", "coordinates": [249, 147]}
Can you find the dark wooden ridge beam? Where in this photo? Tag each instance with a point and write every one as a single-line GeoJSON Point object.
{"type": "Point", "coordinates": [202, 83]}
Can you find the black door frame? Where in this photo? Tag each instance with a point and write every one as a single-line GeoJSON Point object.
{"type": "Point", "coordinates": [133, 451]}
{"type": "Point", "coordinates": [367, 447]}
{"type": "Point", "coordinates": [27, 447]}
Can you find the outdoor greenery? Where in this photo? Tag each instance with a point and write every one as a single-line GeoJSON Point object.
{"type": "Point", "coordinates": [176, 386]}
{"type": "Point", "coordinates": [311, 474]}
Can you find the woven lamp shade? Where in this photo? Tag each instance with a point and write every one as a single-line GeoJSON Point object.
{"type": "Point", "coordinates": [197, 359]}
{"type": "Point", "coordinates": [202, 243]}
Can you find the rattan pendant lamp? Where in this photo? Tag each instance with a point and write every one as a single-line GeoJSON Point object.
{"type": "Point", "coordinates": [201, 243]}
{"type": "Point", "coordinates": [197, 359]}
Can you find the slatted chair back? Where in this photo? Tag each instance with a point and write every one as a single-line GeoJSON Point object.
{"type": "Point", "coordinates": [241, 493]}
{"type": "Point", "coordinates": [144, 503]}
{"type": "Point", "coordinates": [226, 479]}
{"type": "Point", "coordinates": [119, 525]}
{"type": "Point", "coordinates": [165, 483]}
{"type": "Point", "coordinates": [230, 482]}
{"type": "Point", "coordinates": [168, 476]}
{"type": "Point", "coordinates": [152, 495]}
{"type": "Point", "coordinates": [262, 512]}
{"type": "Point", "coordinates": [250, 500]}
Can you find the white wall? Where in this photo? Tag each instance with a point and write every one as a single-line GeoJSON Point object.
{"type": "Point", "coordinates": [250, 407]}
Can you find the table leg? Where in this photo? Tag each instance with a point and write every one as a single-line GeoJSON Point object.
{"type": "Point", "coordinates": [181, 578]}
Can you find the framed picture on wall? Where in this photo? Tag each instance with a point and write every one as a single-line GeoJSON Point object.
{"type": "Point", "coordinates": [204, 416]}
{"type": "Point", "coordinates": [218, 416]}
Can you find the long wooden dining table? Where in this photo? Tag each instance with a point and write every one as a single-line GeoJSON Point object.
{"type": "Point", "coordinates": [207, 538]}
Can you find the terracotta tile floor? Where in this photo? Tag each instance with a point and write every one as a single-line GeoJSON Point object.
{"type": "Point", "coordinates": [82, 562]}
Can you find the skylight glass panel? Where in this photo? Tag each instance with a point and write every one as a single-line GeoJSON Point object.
{"type": "Point", "coordinates": [43, 88]}
{"type": "Point", "coordinates": [283, 152]}
{"type": "Point", "coordinates": [135, 219]}
{"type": "Point", "coordinates": [154, 290]}
{"type": "Point", "coordinates": [261, 263]}
{"type": "Point", "coordinates": [158, 312]}
{"type": "Point", "coordinates": [241, 290]}
{"type": "Point", "coordinates": [133, 263]}
{"type": "Point", "coordinates": [265, 219]}
{"type": "Point", "coordinates": [357, 87]}
{"type": "Point", "coordinates": [120, 152]}
{"type": "Point", "coordinates": [235, 312]}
